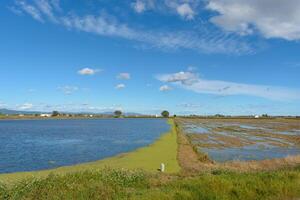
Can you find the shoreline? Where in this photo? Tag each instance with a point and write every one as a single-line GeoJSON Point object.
{"type": "Point", "coordinates": [284, 118]}
{"type": "Point", "coordinates": [148, 158]}
{"type": "Point", "coordinates": [75, 118]}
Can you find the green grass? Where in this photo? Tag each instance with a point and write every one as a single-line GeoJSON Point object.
{"type": "Point", "coordinates": [122, 184]}
{"type": "Point", "coordinates": [283, 184]}
{"type": "Point", "coordinates": [164, 150]}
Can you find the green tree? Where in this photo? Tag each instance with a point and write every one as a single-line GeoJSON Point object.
{"type": "Point", "coordinates": [118, 113]}
{"type": "Point", "coordinates": [219, 115]}
{"type": "Point", "coordinates": [165, 113]}
{"type": "Point", "coordinates": [55, 113]}
{"type": "Point", "coordinates": [265, 115]}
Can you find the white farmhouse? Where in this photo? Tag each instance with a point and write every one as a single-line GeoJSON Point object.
{"type": "Point", "coordinates": [45, 115]}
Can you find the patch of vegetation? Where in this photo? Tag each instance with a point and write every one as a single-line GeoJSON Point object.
{"type": "Point", "coordinates": [123, 184]}
{"type": "Point", "coordinates": [118, 113]}
{"type": "Point", "coordinates": [165, 113]}
{"type": "Point", "coordinates": [55, 114]}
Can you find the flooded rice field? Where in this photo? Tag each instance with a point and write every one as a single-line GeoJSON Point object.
{"type": "Point", "coordinates": [243, 139]}
{"type": "Point", "coordinates": [28, 145]}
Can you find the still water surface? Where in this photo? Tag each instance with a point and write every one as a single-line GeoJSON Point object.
{"type": "Point", "coordinates": [268, 145]}
{"type": "Point", "coordinates": [27, 145]}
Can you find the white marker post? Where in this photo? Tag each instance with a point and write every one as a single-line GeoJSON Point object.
{"type": "Point", "coordinates": [162, 167]}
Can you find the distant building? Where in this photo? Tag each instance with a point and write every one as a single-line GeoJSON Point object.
{"type": "Point", "coordinates": [256, 116]}
{"type": "Point", "coordinates": [45, 115]}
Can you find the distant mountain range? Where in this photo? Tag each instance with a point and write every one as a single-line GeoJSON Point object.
{"type": "Point", "coordinates": [15, 112]}
{"type": "Point", "coordinates": [21, 112]}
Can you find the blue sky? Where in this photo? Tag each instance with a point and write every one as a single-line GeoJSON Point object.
{"type": "Point", "coordinates": [186, 56]}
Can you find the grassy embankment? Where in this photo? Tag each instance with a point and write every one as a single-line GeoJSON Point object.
{"type": "Point", "coordinates": [164, 150]}
{"type": "Point", "coordinates": [116, 184]}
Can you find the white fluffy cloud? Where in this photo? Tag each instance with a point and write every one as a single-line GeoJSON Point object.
{"type": "Point", "coordinates": [186, 78]}
{"type": "Point", "coordinates": [68, 89]}
{"type": "Point", "coordinates": [191, 81]}
{"type": "Point", "coordinates": [185, 11]}
{"type": "Point", "coordinates": [46, 8]}
{"type": "Point", "coordinates": [272, 18]}
{"type": "Point", "coordinates": [139, 6]}
{"type": "Point", "coordinates": [124, 76]}
{"type": "Point", "coordinates": [164, 88]}
{"type": "Point", "coordinates": [214, 42]}
{"type": "Point", "coordinates": [88, 71]}
{"type": "Point", "coordinates": [120, 86]}
{"type": "Point", "coordinates": [34, 12]}
{"type": "Point", "coordinates": [25, 106]}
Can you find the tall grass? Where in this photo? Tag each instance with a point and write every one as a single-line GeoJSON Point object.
{"type": "Point", "coordinates": [124, 184]}
{"type": "Point", "coordinates": [104, 184]}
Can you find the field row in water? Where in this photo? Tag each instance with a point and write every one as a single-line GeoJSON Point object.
{"type": "Point", "coordinates": [226, 140]}
{"type": "Point", "coordinates": [29, 145]}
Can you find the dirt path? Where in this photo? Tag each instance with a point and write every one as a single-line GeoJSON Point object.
{"type": "Point", "coordinates": [189, 160]}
